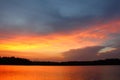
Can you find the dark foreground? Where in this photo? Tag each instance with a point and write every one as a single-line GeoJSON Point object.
{"type": "Point", "coordinates": [22, 61]}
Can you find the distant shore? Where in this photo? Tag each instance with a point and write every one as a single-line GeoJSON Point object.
{"type": "Point", "coordinates": [23, 61]}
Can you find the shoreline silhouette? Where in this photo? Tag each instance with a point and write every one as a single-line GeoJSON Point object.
{"type": "Point", "coordinates": [23, 61]}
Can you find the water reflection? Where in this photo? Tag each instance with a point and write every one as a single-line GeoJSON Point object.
{"type": "Point", "coordinates": [59, 73]}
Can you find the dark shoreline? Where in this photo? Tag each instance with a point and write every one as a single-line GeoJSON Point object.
{"type": "Point", "coordinates": [23, 61]}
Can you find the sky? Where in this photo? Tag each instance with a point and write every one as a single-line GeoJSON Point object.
{"type": "Point", "coordinates": [60, 30]}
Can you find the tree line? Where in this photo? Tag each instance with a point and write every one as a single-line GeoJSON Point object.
{"type": "Point", "coordinates": [23, 61]}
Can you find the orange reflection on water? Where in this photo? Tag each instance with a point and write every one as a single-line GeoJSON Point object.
{"type": "Point", "coordinates": [42, 73]}
{"type": "Point", "coordinates": [59, 72]}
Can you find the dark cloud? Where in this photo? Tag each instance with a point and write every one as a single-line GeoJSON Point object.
{"type": "Point", "coordinates": [84, 54]}
{"type": "Point", "coordinates": [112, 54]}
{"type": "Point", "coordinates": [49, 16]}
{"type": "Point", "coordinates": [90, 53]}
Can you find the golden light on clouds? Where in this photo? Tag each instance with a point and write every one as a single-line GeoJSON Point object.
{"type": "Point", "coordinates": [56, 43]}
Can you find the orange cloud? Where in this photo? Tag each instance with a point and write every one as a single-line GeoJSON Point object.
{"type": "Point", "coordinates": [57, 43]}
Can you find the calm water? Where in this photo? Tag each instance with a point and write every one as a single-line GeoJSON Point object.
{"type": "Point", "coordinates": [59, 72]}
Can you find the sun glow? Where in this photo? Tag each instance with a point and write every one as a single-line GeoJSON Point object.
{"type": "Point", "coordinates": [52, 43]}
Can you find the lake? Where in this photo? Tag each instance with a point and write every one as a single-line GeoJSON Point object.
{"type": "Point", "coordinates": [59, 72]}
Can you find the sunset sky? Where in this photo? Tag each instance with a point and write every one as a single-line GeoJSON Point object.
{"type": "Point", "coordinates": [60, 30]}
